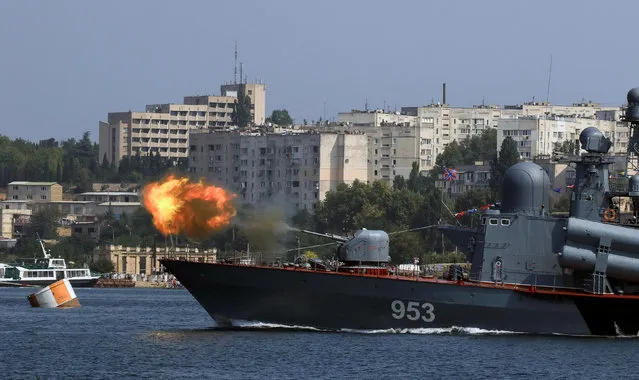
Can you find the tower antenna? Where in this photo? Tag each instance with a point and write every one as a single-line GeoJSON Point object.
{"type": "Point", "coordinates": [241, 67]}
{"type": "Point", "coordinates": [235, 66]}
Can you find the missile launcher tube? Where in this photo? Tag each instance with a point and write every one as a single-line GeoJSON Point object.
{"type": "Point", "coordinates": [621, 265]}
{"type": "Point", "coordinates": [585, 232]}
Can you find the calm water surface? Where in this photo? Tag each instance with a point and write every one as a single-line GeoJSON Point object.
{"type": "Point", "coordinates": [165, 334]}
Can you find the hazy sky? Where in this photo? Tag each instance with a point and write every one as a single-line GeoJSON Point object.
{"type": "Point", "coordinates": [65, 64]}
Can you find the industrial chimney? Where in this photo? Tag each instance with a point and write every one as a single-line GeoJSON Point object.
{"type": "Point", "coordinates": [444, 93]}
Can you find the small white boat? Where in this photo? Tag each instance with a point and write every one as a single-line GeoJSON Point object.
{"type": "Point", "coordinates": [43, 272]}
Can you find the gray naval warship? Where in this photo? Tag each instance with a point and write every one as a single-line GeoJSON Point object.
{"type": "Point", "coordinates": [530, 272]}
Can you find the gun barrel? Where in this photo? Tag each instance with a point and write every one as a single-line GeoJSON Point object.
{"type": "Point", "coordinates": [329, 236]}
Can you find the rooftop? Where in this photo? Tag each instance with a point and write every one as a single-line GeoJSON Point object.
{"type": "Point", "coordinates": [113, 193]}
{"type": "Point", "coordinates": [119, 204]}
{"type": "Point", "coordinates": [28, 183]}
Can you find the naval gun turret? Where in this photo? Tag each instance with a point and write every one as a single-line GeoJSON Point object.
{"type": "Point", "coordinates": [366, 247]}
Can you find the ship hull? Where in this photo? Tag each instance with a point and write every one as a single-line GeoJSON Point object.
{"type": "Point", "coordinates": [339, 301]}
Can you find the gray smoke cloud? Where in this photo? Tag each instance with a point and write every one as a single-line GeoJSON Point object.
{"type": "Point", "coordinates": [267, 225]}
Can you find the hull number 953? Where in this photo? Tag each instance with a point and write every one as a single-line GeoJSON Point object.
{"type": "Point", "coordinates": [413, 311]}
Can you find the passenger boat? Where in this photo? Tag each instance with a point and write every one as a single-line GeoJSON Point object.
{"type": "Point", "coordinates": [44, 271]}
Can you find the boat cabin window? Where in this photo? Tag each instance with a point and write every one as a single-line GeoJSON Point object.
{"type": "Point", "coordinates": [493, 221]}
{"type": "Point", "coordinates": [505, 222]}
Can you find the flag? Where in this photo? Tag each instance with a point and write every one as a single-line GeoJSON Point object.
{"type": "Point", "coordinates": [570, 186]}
{"type": "Point", "coordinates": [557, 190]}
{"type": "Point", "coordinates": [450, 174]}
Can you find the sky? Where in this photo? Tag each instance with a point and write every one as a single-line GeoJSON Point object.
{"type": "Point", "coordinates": [64, 65]}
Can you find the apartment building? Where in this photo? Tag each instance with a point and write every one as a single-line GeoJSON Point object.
{"type": "Point", "coordinates": [439, 125]}
{"type": "Point", "coordinates": [34, 191]}
{"type": "Point", "coordinates": [583, 110]}
{"type": "Point", "coordinates": [301, 166]}
{"type": "Point", "coordinates": [108, 196]}
{"type": "Point", "coordinates": [375, 118]}
{"type": "Point", "coordinates": [539, 135]}
{"type": "Point", "coordinates": [256, 92]}
{"type": "Point", "coordinates": [163, 128]}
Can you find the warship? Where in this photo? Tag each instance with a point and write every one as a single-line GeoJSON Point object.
{"type": "Point", "coordinates": [530, 271]}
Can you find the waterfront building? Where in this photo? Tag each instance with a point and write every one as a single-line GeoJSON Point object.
{"type": "Point", "coordinates": [145, 260]}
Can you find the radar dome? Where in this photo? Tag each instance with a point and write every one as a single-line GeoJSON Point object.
{"type": "Point", "coordinates": [525, 189]}
{"type": "Point", "coordinates": [633, 96]}
{"type": "Point", "coordinates": [633, 186]}
{"type": "Point", "coordinates": [593, 141]}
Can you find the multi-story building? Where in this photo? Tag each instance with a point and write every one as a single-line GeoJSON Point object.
{"type": "Point", "coordinates": [163, 128]}
{"type": "Point", "coordinates": [34, 191]}
{"type": "Point", "coordinates": [375, 118]}
{"type": "Point", "coordinates": [539, 135]}
{"type": "Point", "coordinates": [108, 196]}
{"type": "Point", "coordinates": [256, 92]}
{"type": "Point", "coordinates": [439, 125]}
{"type": "Point", "coordinates": [302, 166]}
{"type": "Point", "coordinates": [584, 110]}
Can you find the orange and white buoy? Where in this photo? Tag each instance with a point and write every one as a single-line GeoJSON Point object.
{"type": "Point", "coordinates": [58, 294]}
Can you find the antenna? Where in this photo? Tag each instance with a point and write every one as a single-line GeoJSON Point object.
{"type": "Point", "coordinates": [241, 67]}
{"type": "Point", "coordinates": [235, 66]}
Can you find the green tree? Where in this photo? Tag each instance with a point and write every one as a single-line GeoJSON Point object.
{"type": "Point", "coordinates": [102, 266]}
{"type": "Point", "coordinates": [44, 223]}
{"type": "Point", "coordinates": [567, 147]}
{"type": "Point", "coordinates": [76, 249]}
{"type": "Point", "coordinates": [508, 156]}
{"type": "Point", "coordinates": [241, 115]}
{"type": "Point", "coordinates": [399, 182]}
{"type": "Point", "coordinates": [280, 117]}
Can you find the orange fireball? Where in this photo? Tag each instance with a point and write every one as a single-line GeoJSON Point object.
{"type": "Point", "coordinates": [179, 205]}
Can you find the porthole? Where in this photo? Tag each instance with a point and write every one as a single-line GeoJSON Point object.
{"type": "Point", "coordinates": [505, 222]}
{"type": "Point", "coordinates": [493, 221]}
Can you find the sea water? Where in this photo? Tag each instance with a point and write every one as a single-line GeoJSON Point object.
{"type": "Point", "coordinates": [165, 334]}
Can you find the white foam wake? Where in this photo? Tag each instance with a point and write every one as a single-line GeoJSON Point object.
{"type": "Point", "coordinates": [423, 331]}
{"type": "Point", "coordinates": [455, 330]}
{"type": "Point", "coordinates": [264, 325]}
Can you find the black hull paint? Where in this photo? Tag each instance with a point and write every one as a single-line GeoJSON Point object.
{"type": "Point", "coordinates": [335, 301]}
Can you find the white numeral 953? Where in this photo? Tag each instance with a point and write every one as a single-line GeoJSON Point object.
{"type": "Point", "coordinates": [413, 311]}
